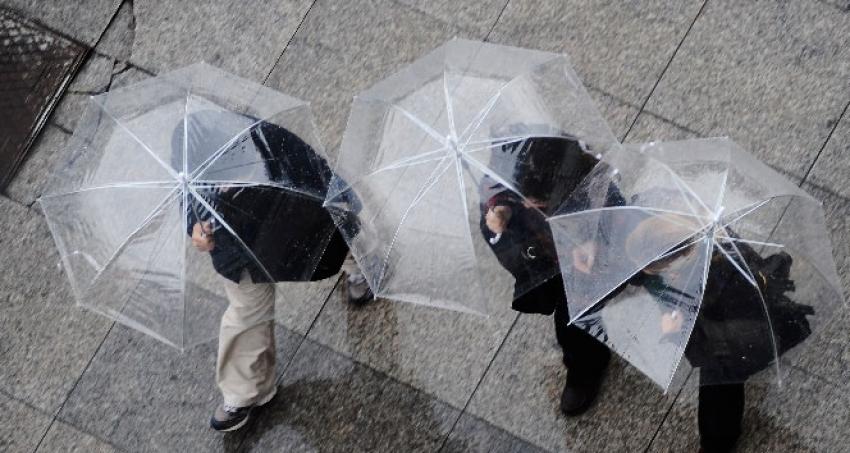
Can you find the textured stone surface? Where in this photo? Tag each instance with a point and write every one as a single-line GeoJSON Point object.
{"type": "Point", "coordinates": [521, 394]}
{"type": "Point", "coordinates": [244, 38]}
{"type": "Point", "coordinates": [771, 76]}
{"type": "Point", "coordinates": [45, 340]}
{"type": "Point", "coordinates": [343, 48]}
{"type": "Point", "coordinates": [471, 434]}
{"type": "Point", "coordinates": [64, 437]}
{"type": "Point", "coordinates": [796, 417]}
{"type": "Point", "coordinates": [83, 20]}
{"type": "Point", "coordinates": [329, 403]}
{"type": "Point", "coordinates": [620, 47]}
{"type": "Point", "coordinates": [440, 351]}
{"type": "Point", "coordinates": [477, 16]}
{"type": "Point", "coordinates": [23, 426]}
{"type": "Point", "coordinates": [142, 395]}
{"type": "Point", "coordinates": [833, 166]}
{"type": "Point", "coordinates": [298, 303]}
{"type": "Point", "coordinates": [34, 174]}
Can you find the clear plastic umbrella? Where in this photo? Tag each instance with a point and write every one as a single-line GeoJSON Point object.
{"type": "Point", "coordinates": [712, 255]}
{"type": "Point", "coordinates": [194, 150]}
{"type": "Point", "coordinates": [469, 128]}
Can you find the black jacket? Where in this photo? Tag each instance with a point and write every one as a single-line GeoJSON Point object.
{"type": "Point", "coordinates": [283, 229]}
{"type": "Point", "coordinates": [546, 169]}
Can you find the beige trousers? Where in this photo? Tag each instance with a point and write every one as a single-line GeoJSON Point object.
{"type": "Point", "coordinates": [245, 372]}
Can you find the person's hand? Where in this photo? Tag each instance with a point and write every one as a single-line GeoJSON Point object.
{"type": "Point", "coordinates": [671, 322]}
{"type": "Point", "coordinates": [583, 257]}
{"type": "Point", "coordinates": [497, 218]}
{"type": "Point", "coordinates": [202, 237]}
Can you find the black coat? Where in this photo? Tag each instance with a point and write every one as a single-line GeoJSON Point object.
{"type": "Point", "coordinates": [732, 338]}
{"type": "Point", "coordinates": [547, 169]}
{"type": "Point", "coordinates": [283, 229]}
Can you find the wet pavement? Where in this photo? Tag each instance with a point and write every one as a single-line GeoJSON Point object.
{"type": "Point", "coordinates": [393, 377]}
{"type": "Point", "coordinates": [35, 66]}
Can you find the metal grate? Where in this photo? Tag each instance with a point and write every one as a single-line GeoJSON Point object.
{"type": "Point", "coordinates": [35, 66]}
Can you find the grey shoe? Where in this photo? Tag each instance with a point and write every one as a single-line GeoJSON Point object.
{"type": "Point", "coordinates": [230, 418]}
{"type": "Point", "coordinates": [359, 291]}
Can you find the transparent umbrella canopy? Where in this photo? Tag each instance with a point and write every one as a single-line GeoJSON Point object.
{"type": "Point", "coordinates": [711, 255]}
{"type": "Point", "coordinates": [430, 150]}
{"type": "Point", "coordinates": [151, 162]}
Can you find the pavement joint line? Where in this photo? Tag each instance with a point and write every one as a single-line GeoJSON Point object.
{"type": "Point", "coordinates": [480, 381]}
{"type": "Point", "coordinates": [88, 55]}
{"type": "Point", "coordinates": [825, 142]}
{"type": "Point", "coordinates": [74, 387]}
{"type": "Point", "coordinates": [496, 22]}
{"type": "Point", "coordinates": [416, 9]}
{"type": "Point", "coordinates": [664, 71]}
{"type": "Point", "coordinates": [669, 409]}
{"type": "Point", "coordinates": [291, 37]}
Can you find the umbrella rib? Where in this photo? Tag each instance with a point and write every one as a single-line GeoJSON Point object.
{"type": "Point", "coordinates": [399, 164]}
{"type": "Point", "coordinates": [429, 183]}
{"type": "Point", "coordinates": [751, 279]}
{"type": "Point", "coordinates": [139, 141]}
{"type": "Point", "coordinates": [145, 222]}
{"type": "Point", "coordinates": [748, 241]}
{"type": "Point", "coordinates": [449, 109]}
{"type": "Point", "coordinates": [629, 277]}
{"type": "Point", "coordinates": [223, 149]}
{"type": "Point", "coordinates": [227, 227]}
{"type": "Point", "coordinates": [219, 152]}
{"type": "Point", "coordinates": [216, 183]}
{"type": "Point", "coordinates": [681, 185]}
{"type": "Point", "coordinates": [421, 124]}
{"type": "Point", "coordinates": [483, 168]}
{"type": "Point", "coordinates": [616, 208]}
{"type": "Point", "coordinates": [747, 210]}
{"type": "Point", "coordinates": [706, 266]}
{"type": "Point", "coordinates": [480, 117]}
{"type": "Point", "coordinates": [186, 134]}
{"type": "Point", "coordinates": [136, 185]}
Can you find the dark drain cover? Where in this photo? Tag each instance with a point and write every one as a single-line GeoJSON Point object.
{"type": "Point", "coordinates": [35, 66]}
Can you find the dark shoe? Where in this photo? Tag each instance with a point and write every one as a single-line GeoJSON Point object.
{"type": "Point", "coordinates": [358, 290]}
{"type": "Point", "coordinates": [580, 392]}
{"type": "Point", "coordinates": [229, 418]}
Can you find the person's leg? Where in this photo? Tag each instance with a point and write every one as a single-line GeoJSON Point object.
{"type": "Point", "coordinates": [245, 371]}
{"type": "Point", "coordinates": [357, 288]}
{"type": "Point", "coordinates": [721, 410]}
{"type": "Point", "coordinates": [585, 358]}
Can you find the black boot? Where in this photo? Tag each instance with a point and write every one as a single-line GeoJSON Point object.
{"type": "Point", "coordinates": [581, 390]}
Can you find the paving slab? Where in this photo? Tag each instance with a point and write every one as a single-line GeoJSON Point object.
{"type": "Point", "coordinates": [472, 434]}
{"type": "Point", "coordinates": [521, 394]}
{"type": "Point", "coordinates": [244, 38]}
{"type": "Point", "coordinates": [651, 127]}
{"type": "Point", "coordinates": [328, 402]}
{"type": "Point", "coordinates": [475, 16]}
{"type": "Point", "coordinates": [297, 304]}
{"type": "Point", "coordinates": [34, 175]}
{"type": "Point", "coordinates": [832, 169]}
{"type": "Point", "coordinates": [83, 20]}
{"type": "Point", "coordinates": [65, 438]}
{"type": "Point", "coordinates": [619, 47]}
{"type": "Point", "coordinates": [141, 395]}
{"type": "Point", "coordinates": [343, 48]}
{"type": "Point", "coordinates": [806, 415]}
{"type": "Point", "coordinates": [441, 352]}
{"type": "Point", "coordinates": [45, 340]}
{"type": "Point", "coordinates": [23, 426]}
{"type": "Point", "coordinates": [771, 76]}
